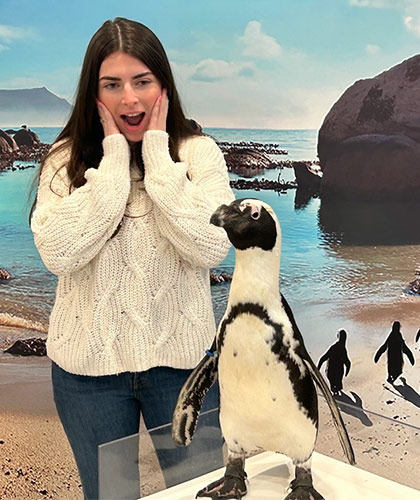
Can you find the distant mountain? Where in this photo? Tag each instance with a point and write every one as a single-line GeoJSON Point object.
{"type": "Point", "coordinates": [33, 107]}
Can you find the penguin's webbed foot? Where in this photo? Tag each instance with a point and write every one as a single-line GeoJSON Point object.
{"type": "Point", "coordinates": [303, 493]}
{"type": "Point", "coordinates": [228, 486]}
{"type": "Point", "coordinates": [302, 487]}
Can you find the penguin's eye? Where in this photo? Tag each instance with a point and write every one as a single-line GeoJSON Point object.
{"type": "Point", "coordinates": [255, 215]}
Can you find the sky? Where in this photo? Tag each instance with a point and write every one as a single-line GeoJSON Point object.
{"type": "Point", "coordinates": [278, 64]}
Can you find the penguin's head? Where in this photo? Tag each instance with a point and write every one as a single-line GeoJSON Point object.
{"type": "Point", "coordinates": [249, 223]}
{"type": "Point", "coordinates": [342, 335]}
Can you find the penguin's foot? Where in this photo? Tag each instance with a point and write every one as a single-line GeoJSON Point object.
{"type": "Point", "coordinates": [301, 487]}
{"type": "Point", "coordinates": [226, 487]}
{"type": "Point", "coordinates": [304, 493]}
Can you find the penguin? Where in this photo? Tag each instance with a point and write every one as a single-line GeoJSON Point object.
{"type": "Point", "coordinates": [396, 346]}
{"type": "Point", "coordinates": [337, 358]}
{"type": "Point", "coordinates": [266, 377]}
{"type": "Point", "coordinates": [418, 335]}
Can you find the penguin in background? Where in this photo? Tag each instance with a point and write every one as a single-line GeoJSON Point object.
{"type": "Point", "coordinates": [337, 358]}
{"type": "Point", "coordinates": [266, 377]}
{"type": "Point", "coordinates": [396, 347]}
{"type": "Point", "coordinates": [418, 335]}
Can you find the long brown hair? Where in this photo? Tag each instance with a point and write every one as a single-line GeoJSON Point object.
{"type": "Point", "coordinates": [83, 131]}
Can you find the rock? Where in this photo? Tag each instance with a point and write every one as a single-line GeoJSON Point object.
{"type": "Point", "coordinates": [28, 347]}
{"type": "Point", "coordinates": [379, 166]}
{"type": "Point", "coordinates": [25, 137]}
{"type": "Point", "coordinates": [257, 184]}
{"type": "Point", "coordinates": [369, 142]}
{"type": "Point", "coordinates": [4, 275]}
{"type": "Point", "coordinates": [246, 158]}
{"type": "Point", "coordinates": [414, 286]}
{"type": "Point", "coordinates": [307, 176]}
{"type": "Point", "coordinates": [4, 146]}
{"type": "Point", "coordinates": [368, 222]}
{"type": "Point", "coordinates": [269, 148]}
{"type": "Point", "coordinates": [9, 139]}
{"type": "Point", "coordinates": [222, 277]}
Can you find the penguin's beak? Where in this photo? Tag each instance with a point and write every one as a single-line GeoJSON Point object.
{"type": "Point", "coordinates": [218, 217]}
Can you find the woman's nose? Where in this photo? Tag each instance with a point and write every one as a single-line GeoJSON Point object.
{"type": "Point", "coordinates": [129, 95]}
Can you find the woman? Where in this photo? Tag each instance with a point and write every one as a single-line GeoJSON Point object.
{"type": "Point", "coordinates": [122, 218]}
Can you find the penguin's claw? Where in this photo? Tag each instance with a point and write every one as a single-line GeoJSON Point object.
{"type": "Point", "coordinates": [225, 487]}
{"type": "Point", "coordinates": [303, 493]}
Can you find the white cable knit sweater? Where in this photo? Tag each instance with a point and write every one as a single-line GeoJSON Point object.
{"type": "Point", "coordinates": [141, 299]}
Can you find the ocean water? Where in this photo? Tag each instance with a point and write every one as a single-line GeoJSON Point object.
{"type": "Point", "coordinates": [335, 256]}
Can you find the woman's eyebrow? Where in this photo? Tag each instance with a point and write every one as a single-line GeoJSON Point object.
{"type": "Point", "coordinates": [115, 78]}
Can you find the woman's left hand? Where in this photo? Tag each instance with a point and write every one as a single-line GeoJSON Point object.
{"type": "Point", "coordinates": [159, 113]}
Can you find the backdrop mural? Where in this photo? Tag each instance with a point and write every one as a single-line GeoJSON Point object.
{"type": "Point", "coordinates": [316, 108]}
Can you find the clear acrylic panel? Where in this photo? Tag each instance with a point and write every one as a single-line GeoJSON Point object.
{"type": "Point", "coordinates": [382, 446]}
{"type": "Point", "coordinates": [382, 419]}
{"type": "Point", "coordinates": [157, 460]}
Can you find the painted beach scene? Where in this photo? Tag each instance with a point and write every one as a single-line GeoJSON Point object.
{"type": "Point", "coordinates": [317, 112]}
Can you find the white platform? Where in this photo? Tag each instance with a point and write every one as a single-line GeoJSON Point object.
{"type": "Point", "coordinates": [269, 477]}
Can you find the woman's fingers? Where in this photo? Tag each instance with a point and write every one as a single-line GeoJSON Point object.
{"type": "Point", "coordinates": [159, 113]}
{"type": "Point", "coordinates": [107, 120]}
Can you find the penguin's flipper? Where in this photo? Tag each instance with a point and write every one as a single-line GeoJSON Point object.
{"type": "Point", "coordinates": [319, 379]}
{"type": "Point", "coordinates": [191, 397]}
{"type": "Point", "coordinates": [335, 412]}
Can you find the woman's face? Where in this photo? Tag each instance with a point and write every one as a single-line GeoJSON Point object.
{"type": "Point", "coordinates": [129, 90]}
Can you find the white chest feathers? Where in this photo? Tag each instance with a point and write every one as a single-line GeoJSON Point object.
{"type": "Point", "coordinates": [258, 407]}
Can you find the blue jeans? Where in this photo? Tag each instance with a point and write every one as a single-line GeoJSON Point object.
{"type": "Point", "coordinates": [96, 410]}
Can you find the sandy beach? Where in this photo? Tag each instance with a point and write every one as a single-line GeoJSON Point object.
{"type": "Point", "coordinates": [36, 460]}
{"type": "Point", "coordinates": [35, 457]}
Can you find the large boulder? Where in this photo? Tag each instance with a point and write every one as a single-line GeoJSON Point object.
{"type": "Point", "coordinates": [9, 139]}
{"type": "Point", "coordinates": [25, 137]}
{"type": "Point", "coordinates": [369, 142]}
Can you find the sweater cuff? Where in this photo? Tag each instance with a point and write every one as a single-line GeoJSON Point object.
{"type": "Point", "coordinates": [116, 153]}
{"type": "Point", "coordinates": [157, 160]}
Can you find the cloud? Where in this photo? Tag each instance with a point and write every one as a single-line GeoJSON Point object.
{"type": "Point", "coordinates": [212, 70]}
{"type": "Point", "coordinates": [410, 10]}
{"type": "Point", "coordinates": [413, 24]}
{"type": "Point", "coordinates": [258, 44]}
{"type": "Point", "coordinates": [270, 99]}
{"type": "Point", "coordinates": [378, 4]}
{"type": "Point", "coordinates": [372, 49]}
{"type": "Point", "coordinates": [3, 48]}
{"type": "Point", "coordinates": [10, 33]}
{"type": "Point", "coordinates": [22, 82]}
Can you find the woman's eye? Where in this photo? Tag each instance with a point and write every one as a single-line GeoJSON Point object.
{"type": "Point", "coordinates": [110, 86]}
{"type": "Point", "coordinates": [142, 83]}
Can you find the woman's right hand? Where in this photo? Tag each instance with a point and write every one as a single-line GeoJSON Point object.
{"type": "Point", "coordinates": [107, 120]}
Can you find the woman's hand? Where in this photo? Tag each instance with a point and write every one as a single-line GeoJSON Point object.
{"type": "Point", "coordinates": [107, 120]}
{"type": "Point", "coordinates": [159, 113]}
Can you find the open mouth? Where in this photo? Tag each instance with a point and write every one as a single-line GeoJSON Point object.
{"type": "Point", "coordinates": [133, 119]}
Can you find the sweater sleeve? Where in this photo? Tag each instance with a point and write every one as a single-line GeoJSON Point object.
{"type": "Point", "coordinates": [186, 194]}
{"type": "Point", "coordinates": [70, 229]}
